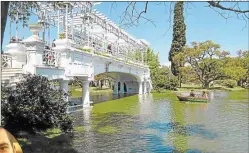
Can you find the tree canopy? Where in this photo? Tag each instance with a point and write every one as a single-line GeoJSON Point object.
{"type": "Point", "coordinates": [210, 63]}
{"type": "Point", "coordinates": [204, 58]}
{"type": "Point", "coordinates": [179, 36]}
{"type": "Point", "coordinates": [161, 77]}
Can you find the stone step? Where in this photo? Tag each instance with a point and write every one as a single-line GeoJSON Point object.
{"type": "Point", "coordinates": [11, 70]}
{"type": "Point", "coordinates": [11, 73]}
{"type": "Point", "coordinates": [8, 68]}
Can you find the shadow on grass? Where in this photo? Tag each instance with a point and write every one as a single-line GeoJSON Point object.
{"type": "Point", "coordinates": [41, 144]}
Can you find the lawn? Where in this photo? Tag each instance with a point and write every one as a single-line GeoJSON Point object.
{"type": "Point", "coordinates": [77, 91]}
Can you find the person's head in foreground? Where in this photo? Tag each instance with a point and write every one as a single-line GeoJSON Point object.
{"type": "Point", "coordinates": [8, 144]}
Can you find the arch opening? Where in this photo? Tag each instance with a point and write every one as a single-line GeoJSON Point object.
{"type": "Point", "coordinates": [121, 82]}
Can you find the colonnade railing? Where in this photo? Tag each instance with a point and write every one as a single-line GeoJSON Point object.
{"type": "Point", "coordinates": [101, 46]}
{"type": "Point", "coordinates": [51, 57]}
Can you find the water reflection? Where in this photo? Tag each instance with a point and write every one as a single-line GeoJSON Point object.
{"type": "Point", "coordinates": [160, 123]}
{"type": "Point", "coordinates": [98, 98]}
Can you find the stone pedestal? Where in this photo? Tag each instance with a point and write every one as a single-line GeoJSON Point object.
{"type": "Point", "coordinates": [18, 54]}
{"type": "Point", "coordinates": [145, 87]}
{"type": "Point", "coordinates": [140, 86]}
{"type": "Point", "coordinates": [64, 87]}
{"type": "Point", "coordinates": [85, 94]}
{"type": "Point", "coordinates": [63, 47]}
{"type": "Point", "coordinates": [121, 87]}
{"type": "Point", "coordinates": [115, 91]}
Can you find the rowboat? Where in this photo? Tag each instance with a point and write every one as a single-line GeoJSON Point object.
{"type": "Point", "coordinates": [192, 99]}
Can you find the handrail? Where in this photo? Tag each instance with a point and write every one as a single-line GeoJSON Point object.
{"type": "Point", "coordinates": [100, 45]}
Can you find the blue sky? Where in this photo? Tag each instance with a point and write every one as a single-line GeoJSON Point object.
{"type": "Point", "coordinates": [202, 24]}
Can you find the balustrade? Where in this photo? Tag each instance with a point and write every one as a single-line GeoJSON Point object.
{"type": "Point", "coordinates": [51, 58]}
{"type": "Point", "coordinates": [101, 46]}
{"type": "Point", "coordinates": [6, 61]}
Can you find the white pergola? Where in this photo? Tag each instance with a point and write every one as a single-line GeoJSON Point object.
{"type": "Point", "coordinates": [87, 26]}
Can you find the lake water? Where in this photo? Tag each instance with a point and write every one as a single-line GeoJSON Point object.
{"type": "Point", "coordinates": [160, 123]}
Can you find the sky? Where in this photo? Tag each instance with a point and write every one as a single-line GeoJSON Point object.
{"type": "Point", "coordinates": [202, 23]}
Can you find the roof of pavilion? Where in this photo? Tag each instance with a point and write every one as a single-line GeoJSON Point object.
{"type": "Point", "coordinates": [100, 21]}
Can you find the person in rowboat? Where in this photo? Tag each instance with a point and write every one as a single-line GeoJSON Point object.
{"type": "Point", "coordinates": [192, 94]}
{"type": "Point", "coordinates": [204, 94]}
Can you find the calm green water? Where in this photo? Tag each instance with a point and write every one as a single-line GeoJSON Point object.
{"type": "Point", "coordinates": [160, 123]}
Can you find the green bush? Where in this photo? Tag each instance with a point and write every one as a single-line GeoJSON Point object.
{"type": "Point", "coordinates": [34, 105]}
{"type": "Point", "coordinates": [227, 83]}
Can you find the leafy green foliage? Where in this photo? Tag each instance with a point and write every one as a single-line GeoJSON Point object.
{"type": "Point", "coordinates": [24, 13]}
{"type": "Point", "coordinates": [161, 76]}
{"type": "Point", "coordinates": [234, 68]}
{"type": "Point", "coordinates": [135, 55]}
{"type": "Point", "coordinates": [188, 75]}
{"type": "Point", "coordinates": [227, 83]}
{"type": "Point", "coordinates": [35, 105]}
{"type": "Point", "coordinates": [166, 79]}
{"type": "Point", "coordinates": [179, 36]}
{"type": "Point", "coordinates": [206, 60]}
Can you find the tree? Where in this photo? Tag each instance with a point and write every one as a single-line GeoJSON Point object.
{"type": "Point", "coordinates": [188, 75]}
{"type": "Point", "coordinates": [34, 105]}
{"type": "Point", "coordinates": [206, 60]}
{"type": "Point", "coordinates": [4, 15]}
{"type": "Point", "coordinates": [20, 11]}
{"type": "Point", "coordinates": [235, 69]}
{"type": "Point", "coordinates": [166, 79]}
{"type": "Point", "coordinates": [11, 9]}
{"type": "Point", "coordinates": [161, 77]}
{"type": "Point", "coordinates": [102, 79]}
{"type": "Point", "coordinates": [179, 38]}
{"type": "Point", "coordinates": [154, 66]}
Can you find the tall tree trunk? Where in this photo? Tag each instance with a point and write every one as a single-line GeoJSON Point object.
{"type": "Point", "coordinates": [205, 84]}
{"type": "Point", "coordinates": [101, 84]}
{"type": "Point", "coordinates": [180, 80]}
{"type": "Point", "coordinates": [4, 15]}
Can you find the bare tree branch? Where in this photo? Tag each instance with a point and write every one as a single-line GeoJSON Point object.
{"type": "Point", "coordinates": [170, 19]}
{"type": "Point", "coordinates": [113, 7]}
{"type": "Point", "coordinates": [145, 10]}
{"type": "Point", "coordinates": [131, 16]}
{"type": "Point", "coordinates": [240, 14]}
{"type": "Point", "coordinates": [217, 5]}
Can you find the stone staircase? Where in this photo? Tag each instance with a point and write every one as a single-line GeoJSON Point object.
{"type": "Point", "coordinates": [11, 75]}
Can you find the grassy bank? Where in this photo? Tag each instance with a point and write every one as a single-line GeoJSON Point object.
{"type": "Point", "coordinates": [77, 91]}
{"type": "Point", "coordinates": [188, 88]}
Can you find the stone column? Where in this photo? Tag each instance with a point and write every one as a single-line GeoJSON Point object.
{"type": "Point", "coordinates": [64, 87]}
{"type": "Point", "coordinates": [121, 87]}
{"type": "Point", "coordinates": [145, 87]}
{"type": "Point", "coordinates": [115, 91]}
{"type": "Point", "coordinates": [140, 86]}
{"type": "Point", "coordinates": [85, 94]}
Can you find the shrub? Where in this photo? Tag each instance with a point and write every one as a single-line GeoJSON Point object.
{"type": "Point", "coordinates": [227, 83]}
{"type": "Point", "coordinates": [34, 105]}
